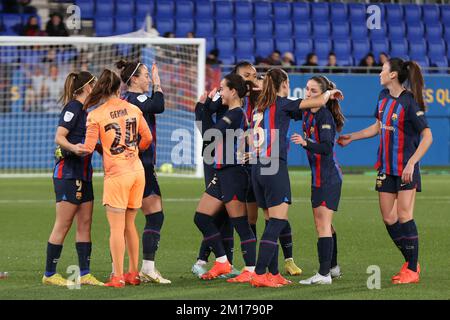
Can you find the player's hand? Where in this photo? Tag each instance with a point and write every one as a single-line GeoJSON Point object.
{"type": "Point", "coordinates": [344, 139]}
{"type": "Point", "coordinates": [155, 75]}
{"type": "Point", "coordinates": [79, 150]}
{"type": "Point", "coordinates": [336, 94]}
{"type": "Point", "coordinates": [407, 175]}
{"type": "Point", "coordinates": [212, 93]}
{"type": "Point", "coordinates": [203, 97]}
{"type": "Point", "coordinates": [298, 139]}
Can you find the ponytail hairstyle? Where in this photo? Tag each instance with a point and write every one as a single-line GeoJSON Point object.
{"type": "Point", "coordinates": [271, 85]}
{"type": "Point", "coordinates": [107, 85]}
{"type": "Point", "coordinates": [253, 94]}
{"type": "Point", "coordinates": [128, 70]}
{"type": "Point", "coordinates": [332, 105]}
{"type": "Point", "coordinates": [236, 82]}
{"type": "Point", "coordinates": [74, 85]}
{"type": "Point", "coordinates": [410, 75]}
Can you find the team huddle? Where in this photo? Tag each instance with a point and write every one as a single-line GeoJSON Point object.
{"type": "Point", "coordinates": [245, 169]}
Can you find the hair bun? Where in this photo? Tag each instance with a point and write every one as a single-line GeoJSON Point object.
{"type": "Point", "coordinates": [121, 64]}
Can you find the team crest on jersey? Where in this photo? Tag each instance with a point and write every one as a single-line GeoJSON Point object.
{"type": "Point", "coordinates": [311, 131]}
{"type": "Point", "coordinates": [420, 113]}
{"type": "Point", "coordinates": [68, 116]}
{"type": "Point", "coordinates": [394, 117]}
{"type": "Point", "coordinates": [79, 195]}
{"type": "Point", "coordinates": [142, 98]}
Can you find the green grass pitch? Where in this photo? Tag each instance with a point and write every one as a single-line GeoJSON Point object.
{"type": "Point", "coordinates": [27, 216]}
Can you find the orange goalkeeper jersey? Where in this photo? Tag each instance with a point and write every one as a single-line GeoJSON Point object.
{"type": "Point", "coordinates": [117, 124]}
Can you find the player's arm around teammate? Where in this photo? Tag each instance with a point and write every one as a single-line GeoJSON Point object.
{"type": "Point", "coordinates": [72, 180]}
{"type": "Point", "coordinates": [137, 77]}
{"type": "Point", "coordinates": [320, 126]}
{"type": "Point", "coordinates": [404, 139]}
{"type": "Point", "coordinates": [117, 124]}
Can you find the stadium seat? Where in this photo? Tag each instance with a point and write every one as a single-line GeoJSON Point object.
{"type": "Point", "coordinates": [445, 14]}
{"type": "Point", "coordinates": [124, 8]}
{"type": "Point", "coordinates": [434, 31]}
{"type": "Point", "coordinates": [8, 54]}
{"type": "Point", "coordinates": [345, 61]}
{"type": "Point", "coordinates": [245, 46]}
{"type": "Point", "coordinates": [415, 31]}
{"type": "Point", "coordinates": [244, 28]}
{"type": "Point", "coordinates": [224, 9]}
{"type": "Point", "coordinates": [417, 49]}
{"type": "Point", "coordinates": [379, 34]}
{"type": "Point", "coordinates": [441, 62]}
{"type": "Point", "coordinates": [87, 8]}
{"type": "Point", "coordinates": [359, 30]}
{"type": "Point", "coordinates": [284, 45]}
{"type": "Point", "coordinates": [184, 9]}
{"type": "Point", "coordinates": [124, 24]}
{"type": "Point", "coordinates": [204, 28]}
{"type": "Point", "coordinates": [320, 11]}
{"type": "Point", "coordinates": [263, 29]}
{"type": "Point", "coordinates": [340, 30]}
{"type": "Point", "coordinates": [394, 12]}
{"type": "Point", "coordinates": [104, 8]}
{"type": "Point", "coordinates": [144, 7]}
{"type": "Point", "coordinates": [447, 32]}
{"type": "Point", "coordinates": [436, 50]}
{"type": "Point", "coordinates": [361, 48]}
{"type": "Point", "coordinates": [321, 29]}
{"type": "Point", "coordinates": [164, 25]}
{"type": "Point", "coordinates": [322, 47]}
{"type": "Point", "coordinates": [379, 45]}
{"type": "Point", "coordinates": [342, 48]}
{"type": "Point", "coordinates": [249, 58]}
{"type": "Point", "coordinates": [11, 23]}
{"type": "Point", "coordinates": [104, 26]}
{"type": "Point", "coordinates": [281, 11]}
{"type": "Point", "coordinates": [397, 30]}
{"type": "Point", "coordinates": [183, 26]}
{"type": "Point", "coordinates": [283, 29]}
{"type": "Point", "coordinates": [210, 44]}
{"type": "Point", "coordinates": [243, 10]}
{"type": "Point", "coordinates": [300, 12]}
{"type": "Point", "coordinates": [357, 12]}
{"type": "Point", "coordinates": [228, 60]}
{"type": "Point", "coordinates": [263, 10]}
{"type": "Point", "coordinates": [264, 47]}
{"type": "Point", "coordinates": [431, 13]}
{"type": "Point", "coordinates": [338, 12]}
{"type": "Point", "coordinates": [303, 46]}
{"type": "Point", "coordinates": [413, 13]}
{"type": "Point", "coordinates": [225, 46]}
{"type": "Point", "coordinates": [165, 9]}
{"type": "Point", "coordinates": [399, 48]}
{"type": "Point", "coordinates": [204, 10]}
{"type": "Point", "coordinates": [302, 29]}
{"type": "Point", "coordinates": [423, 61]}
{"type": "Point", "coordinates": [224, 28]}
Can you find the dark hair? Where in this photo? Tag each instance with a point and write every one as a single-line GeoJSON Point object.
{"type": "Point", "coordinates": [332, 105]}
{"type": "Point", "coordinates": [236, 82]}
{"type": "Point", "coordinates": [409, 75]}
{"type": "Point", "coordinates": [74, 84]}
{"type": "Point", "coordinates": [128, 70]}
{"type": "Point", "coordinates": [107, 85]}
{"type": "Point", "coordinates": [309, 57]}
{"type": "Point", "coordinates": [253, 94]}
{"type": "Point", "coordinates": [331, 54]}
{"type": "Point", "coordinates": [241, 64]}
{"type": "Point", "coordinates": [271, 85]}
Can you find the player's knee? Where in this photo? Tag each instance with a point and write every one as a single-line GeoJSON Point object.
{"type": "Point", "coordinates": [389, 219]}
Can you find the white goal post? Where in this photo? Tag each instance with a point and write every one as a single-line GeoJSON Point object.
{"type": "Point", "coordinates": [32, 74]}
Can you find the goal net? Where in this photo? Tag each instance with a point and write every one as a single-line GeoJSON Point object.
{"type": "Point", "coordinates": [32, 75]}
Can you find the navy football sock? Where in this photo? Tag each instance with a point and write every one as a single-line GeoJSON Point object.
{"type": "Point", "coordinates": [411, 243]}
{"type": "Point", "coordinates": [396, 233]}
{"type": "Point", "coordinates": [227, 233]}
{"type": "Point", "coordinates": [211, 235]}
{"type": "Point", "coordinates": [273, 265]}
{"type": "Point", "coordinates": [334, 255]}
{"type": "Point", "coordinates": [152, 234]}
{"type": "Point", "coordinates": [269, 243]}
{"type": "Point", "coordinates": [53, 255]}
{"type": "Point", "coordinates": [248, 240]}
{"type": "Point", "coordinates": [286, 241]}
{"type": "Point", "coordinates": [325, 249]}
{"type": "Point", "coordinates": [253, 226]}
{"type": "Point", "coordinates": [84, 256]}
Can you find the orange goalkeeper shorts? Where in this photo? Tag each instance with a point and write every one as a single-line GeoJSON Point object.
{"type": "Point", "coordinates": [124, 191]}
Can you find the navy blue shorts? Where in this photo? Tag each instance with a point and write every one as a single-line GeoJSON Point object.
{"type": "Point", "coordinates": [208, 173]}
{"type": "Point", "coordinates": [327, 196]}
{"type": "Point", "coordinates": [73, 191]}
{"type": "Point", "coordinates": [394, 184]}
{"type": "Point", "coordinates": [250, 193]}
{"type": "Point", "coordinates": [274, 189]}
{"type": "Point", "coordinates": [229, 183]}
{"type": "Point", "coordinates": [151, 182]}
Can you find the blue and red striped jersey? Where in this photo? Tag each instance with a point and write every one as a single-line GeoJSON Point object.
{"type": "Point", "coordinates": [73, 118]}
{"type": "Point", "coordinates": [149, 107]}
{"type": "Point", "coordinates": [319, 127]}
{"type": "Point", "coordinates": [270, 128]}
{"type": "Point", "coordinates": [401, 121]}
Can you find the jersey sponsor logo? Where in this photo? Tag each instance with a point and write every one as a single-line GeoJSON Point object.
{"type": "Point", "coordinates": [68, 116]}
{"type": "Point", "coordinates": [311, 130]}
{"type": "Point", "coordinates": [420, 113]}
{"type": "Point", "coordinates": [142, 98]}
{"type": "Point", "coordinates": [389, 128]}
{"type": "Point", "coordinates": [326, 126]}
{"type": "Point", "coordinates": [394, 117]}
